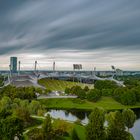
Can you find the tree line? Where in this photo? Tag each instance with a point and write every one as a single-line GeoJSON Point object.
{"type": "Point", "coordinates": [28, 93]}
{"type": "Point", "coordinates": [124, 95]}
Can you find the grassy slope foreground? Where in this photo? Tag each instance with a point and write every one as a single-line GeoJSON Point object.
{"type": "Point", "coordinates": [60, 85]}
{"type": "Point", "coordinates": [107, 103]}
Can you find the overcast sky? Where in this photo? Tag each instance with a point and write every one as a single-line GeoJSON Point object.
{"type": "Point", "coordinates": [95, 33]}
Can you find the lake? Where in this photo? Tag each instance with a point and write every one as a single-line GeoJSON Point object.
{"type": "Point", "coordinates": [74, 115]}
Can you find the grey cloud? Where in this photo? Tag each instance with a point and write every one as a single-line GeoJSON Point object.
{"type": "Point", "coordinates": [40, 26]}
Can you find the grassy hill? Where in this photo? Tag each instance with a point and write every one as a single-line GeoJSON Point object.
{"type": "Point", "coordinates": [60, 85]}
{"type": "Point", "coordinates": [108, 103]}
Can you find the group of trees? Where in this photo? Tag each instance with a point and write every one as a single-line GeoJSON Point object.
{"type": "Point", "coordinates": [50, 130]}
{"type": "Point", "coordinates": [15, 115]}
{"type": "Point", "coordinates": [34, 107]}
{"type": "Point", "coordinates": [101, 88]}
{"type": "Point", "coordinates": [128, 95]}
{"type": "Point", "coordinates": [124, 95]}
{"type": "Point", "coordinates": [22, 92]}
{"type": "Point", "coordinates": [10, 126]}
{"type": "Point", "coordinates": [86, 93]}
{"type": "Point", "coordinates": [117, 122]}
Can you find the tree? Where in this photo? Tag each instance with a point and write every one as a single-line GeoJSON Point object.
{"type": "Point", "coordinates": [125, 96]}
{"type": "Point", "coordinates": [35, 134]}
{"type": "Point", "coordinates": [129, 118]}
{"type": "Point", "coordinates": [35, 106]}
{"type": "Point", "coordinates": [77, 90]}
{"type": "Point", "coordinates": [93, 95]}
{"type": "Point", "coordinates": [23, 114]}
{"type": "Point", "coordinates": [11, 127]}
{"type": "Point", "coordinates": [61, 127]}
{"type": "Point", "coordinates": [5, 103]}
{"type": "Point", "coordinates": [95, 128]}
{"type": "Point", "coordinates": [47, 91]}
{"type": "Point", "coordinates": [86, 88]}
{"type": "Point", "coordinates": [47, 128]}
{"type": "Point", "coordinates": [116, 127]}
{"type": "Point", "coordinates": [105, 84]}
{"type": "Point", "coordinates": [128, 98]}
{"type": "Point", "coordinates": [67, 90]}
{"type": "Point", "coordinates": [117, 93]}
{"type": "Point", "coordinates": [136, 90]}
{"type": "Point", "coordinates": [39, 90]}
{"type": "Point", "coordinates": [107, 92]}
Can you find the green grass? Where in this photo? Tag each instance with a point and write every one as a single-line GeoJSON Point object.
{"type": "Point", "coordinates": [81, 132]}
{"type": "Point", "coordinates": [60, 85]}
{"type": "Point", "coordinates": [108, 103]}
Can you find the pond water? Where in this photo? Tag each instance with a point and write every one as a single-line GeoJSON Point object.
{"type": "Point", "coordinates": [74, 115]}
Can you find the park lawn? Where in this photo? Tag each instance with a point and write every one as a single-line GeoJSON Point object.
{"type": "Point", "coordinates": [108, 103]}
{"type": "Point", "coordinates": [60, 85]}
{"type": "Point", "coordinates": [81, 132]}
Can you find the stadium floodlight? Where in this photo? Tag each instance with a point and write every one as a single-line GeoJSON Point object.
{"type": "Point", "coordinates": [54, 66]}
{"type": "Point", "coordinates": [77, 66]}
{"type": "Point", "coordinates": [19, 68]}
{"type": "Point", "coordinates": [35, 66]}
{"type": "Point", "coordinates": [113, 67]}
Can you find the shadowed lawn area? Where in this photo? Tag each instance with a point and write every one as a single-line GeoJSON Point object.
{"type": "Point", "coordinates": [81, 132]}
{"type": "Point", "coordinates": [107, 103]}
{"type": "Point", "coordinates": [60, 85]}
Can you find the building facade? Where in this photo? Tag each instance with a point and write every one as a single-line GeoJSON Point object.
{"type": "Point", "coordinates": [13, 64]}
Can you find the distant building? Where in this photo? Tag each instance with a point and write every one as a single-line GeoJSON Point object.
{"type": "Point", "coordinates": [13, 64]}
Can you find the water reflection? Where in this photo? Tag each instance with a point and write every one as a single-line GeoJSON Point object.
{"type": "Point", "coordinates": [136, 129]}
{"type": "Point", "coordinates": [71, 116]}
{"type": "Point", "coordinates": [74, 115]}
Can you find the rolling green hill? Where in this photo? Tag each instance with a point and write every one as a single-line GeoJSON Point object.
{"type": "Point", "coordinates": [60, 85]}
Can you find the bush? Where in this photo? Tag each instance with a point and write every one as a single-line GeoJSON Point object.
{"type": "Point", "coordinates": [107, 92]}
{"type": "Point", "coordinates": [137, 93]}
{"type": "Point", "coordinates": [77, 90]}
{"type": "Point", "coordinates": [125, 96]}
{"type": "Point", "coordinates": [128, 98]}
{"type": "Point", "coordinates": [106, 84]}
{"type": "Point", "coordinates": [93, 95]}
{"type": "Point", "coordinates": [67, 90]}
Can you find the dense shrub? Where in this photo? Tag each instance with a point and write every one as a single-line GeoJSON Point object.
{"type": "Point", "coordinates": [107, 92]}
{"type": "Point", "coordinates": [68, 90]}
{"type": "Point", "coordinates": [106, 84]}
{"type": "Point", "coordinates": [118, 93]}
{"type": "Point", "coordinates": [93, 95]}
{"type": "Point", "coordinates": [137, 93]}
{"type": "Point", "coordinates": [128, 98]}
{"type": "Point", "coordinates": [125, 96]}
{"type": "Point", "coordinates": [77, 90]}
{"type": "Point", "coordinates": [20, 92]}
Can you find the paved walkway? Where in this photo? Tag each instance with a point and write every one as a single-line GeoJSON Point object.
{"type": "Point", "coordinates": [51, 97]}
